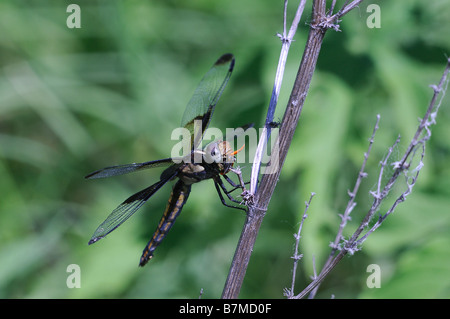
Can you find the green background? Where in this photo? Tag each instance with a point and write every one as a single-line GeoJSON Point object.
{"type": "Point", "coordinates": [76, 100]}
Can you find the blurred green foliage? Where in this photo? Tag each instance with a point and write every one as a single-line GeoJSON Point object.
{"type": "Point", "coordinates": [111, 92]}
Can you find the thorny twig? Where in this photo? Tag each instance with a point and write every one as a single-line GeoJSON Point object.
{"type": "Point", "coordinates": [260, 193]}
{"type": "Point", "coordinates": [403, 166]}
{"type": "Point", "coordinates": [286, 40]}
{"type": "Point", "coordinates": [257, 207]}
{"type": "Point", "coordinates": [351, 203]}
{"type": "Point", "coordinates": [416, 144]}
{"type": "Point", "coordinates": [331, 21]}
{"type": "Point", "coordinates": [297, 256]}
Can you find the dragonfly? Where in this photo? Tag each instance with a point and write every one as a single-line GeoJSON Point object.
{"type": "Point", "coordinates": [212, 162]}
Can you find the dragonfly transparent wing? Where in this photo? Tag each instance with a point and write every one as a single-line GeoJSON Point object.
{"type": "Point", "coordinates": [128, 168]}
{"type": "Point", "coordinates": [127, 209]}
{"type": "Point", "coordinates": [201, 106]}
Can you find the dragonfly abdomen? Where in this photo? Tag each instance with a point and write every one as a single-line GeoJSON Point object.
{"type": "Point", "coordinates": [178, 198]}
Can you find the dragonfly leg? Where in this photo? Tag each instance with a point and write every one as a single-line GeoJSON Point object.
{"type": "Point", "coordinates": [247, 198]}
{"type": "Point", "coordinates": [230, 181]}
{"type": "Point", "coordinates": [238, 172]}
{"type": "Point", "coordinates": [220, 187]}
{"type": "Point", "coordinates": [233, 184]}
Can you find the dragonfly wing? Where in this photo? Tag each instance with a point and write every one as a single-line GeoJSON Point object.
{"type": "Point", "coordinates": [207, 94]}
{"type": "Point", "coordinates": [128, 168]}
{"type": "Point", "coordinates": [126, 210]}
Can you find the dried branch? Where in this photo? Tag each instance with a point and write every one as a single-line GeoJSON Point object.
{"type": "Point", "coordinates": [256, 212]}
{"type": "Point", "coordinates": [297, 256]}
{"type": "Point", "coordinates": [416, 144]}
{"type": "Point", "coordinates": [350, 205]}
{"type": "Point", "coordinates": [259, 197]}
{"type": "Point", "coordinates": [404, 166]}
{"type": "Point", "coordinates": [286, 40]}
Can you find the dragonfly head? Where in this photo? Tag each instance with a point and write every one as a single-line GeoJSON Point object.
{"type": "Point", "coordinates": [214, 153]}
{"type": "Point", "coordinates": [220, 152]}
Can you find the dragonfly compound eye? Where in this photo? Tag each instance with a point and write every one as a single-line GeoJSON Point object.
{"type": "Point", "coordinates": [212, 154]}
